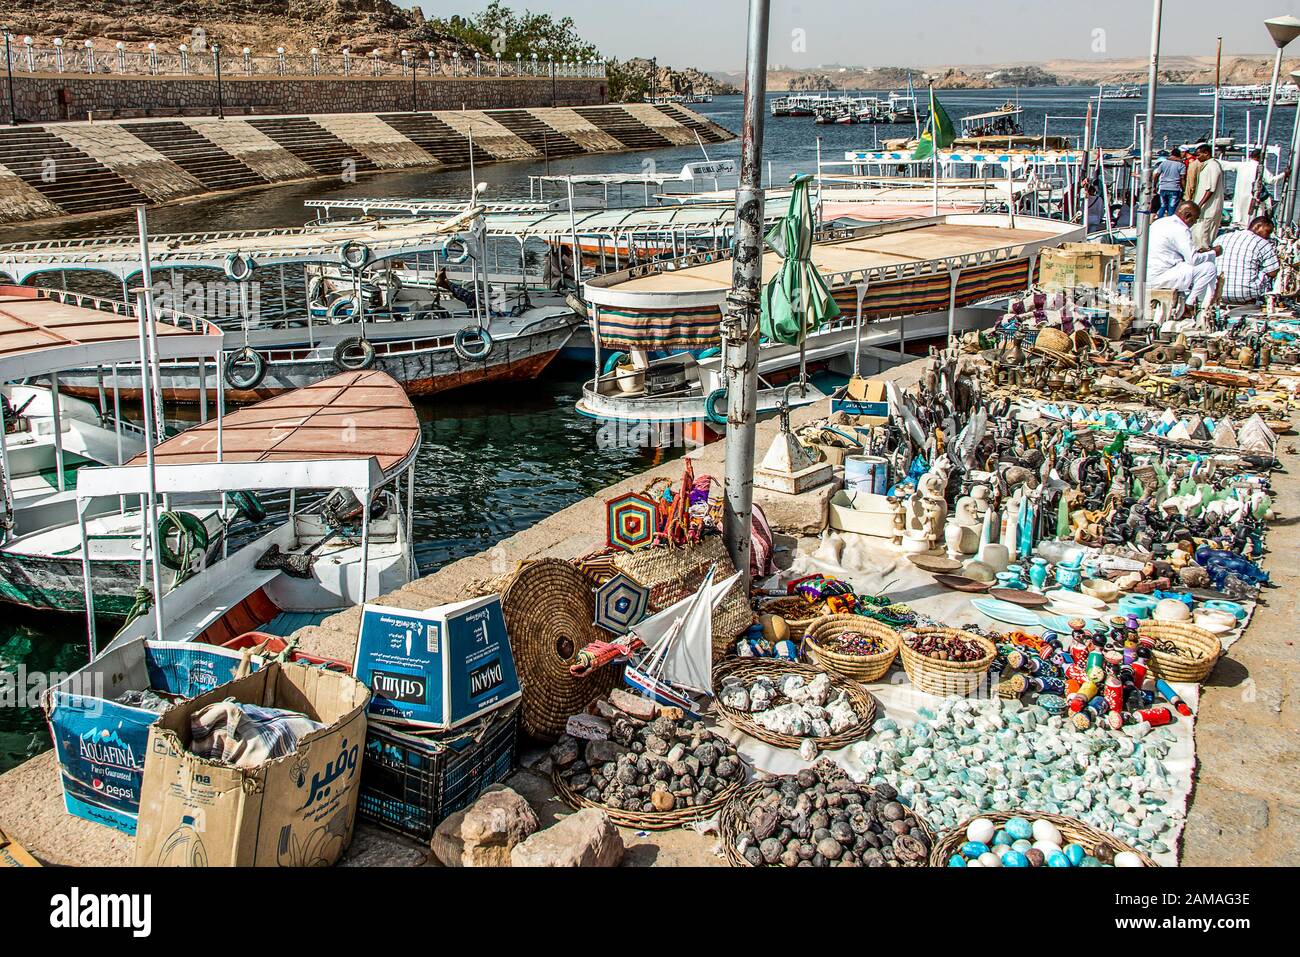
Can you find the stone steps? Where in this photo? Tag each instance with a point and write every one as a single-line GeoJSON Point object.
{"type": "Point", "coordinates": [624, 127]}
{"type": "Point", "coordinates": [548, 142]}
{"type": "Point", "coordinates": [69, 178]}
{"type": "Point", "coordinates": [709, 132]}
{"type": "Point", "coordinates": [436, 138]}
{"type": "Point", "coordinates": [313, 144]}
{"type": "Point", "coordinates": [209, 164]}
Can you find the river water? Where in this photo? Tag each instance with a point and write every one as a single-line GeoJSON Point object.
{"type": "Point", "coordinates": [495, 461]}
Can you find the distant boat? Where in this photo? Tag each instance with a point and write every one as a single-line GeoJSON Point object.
{"type": "Point", "coordinates": [1128, 91]}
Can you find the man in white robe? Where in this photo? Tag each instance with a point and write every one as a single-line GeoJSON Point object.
{"type": "Point", "coordinates": [1245, 206]}
{"type": "Point", "coordinates": [1208, 196]}
{"type": "Point", "coordinates": [1174, 262]}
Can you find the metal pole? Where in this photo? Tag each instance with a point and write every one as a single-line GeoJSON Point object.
{"type": "Point", "coordinates": [221, 99]}
{"type": "Point", "coordinates": [740, 325]}
{"type": "Point", "coordinates": [9, 80]}
{"type": "Point", "coordinates": [1263, 140]}
{"type": "Point", "coordinates": [1288, 206]}
{"type": "Point", "coordinates": [1142, 214]}
{"type": "Point", "coordinates": [1218, 79]}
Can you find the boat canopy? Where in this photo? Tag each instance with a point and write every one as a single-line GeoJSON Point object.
{"type": "Point", "coordinates": [887, 270]}
{"type": "Point", "coordinates": [237, 254]}
{"type": "Point", "coordinates": [394, 206]}
{"type": "Point", "coordinates": [998, 157]}
{"type": "Point", "coordinates": [992, 114]}
{"type": "Point", "coordinates": [355, 430]}
{"type": "Point", "coordinates": [45, 331]}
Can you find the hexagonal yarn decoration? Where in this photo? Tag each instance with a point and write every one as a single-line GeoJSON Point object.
{"type": "Point", "coordinates": [631, 520]}
{"type": "Point", "coordinates": [620, 603]}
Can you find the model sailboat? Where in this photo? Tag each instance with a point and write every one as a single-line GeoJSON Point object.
{"type": "Point", "coordinates": [677, 661]}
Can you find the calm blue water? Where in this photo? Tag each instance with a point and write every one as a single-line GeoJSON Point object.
{"type": "Point", "coordinates": [496, 461]}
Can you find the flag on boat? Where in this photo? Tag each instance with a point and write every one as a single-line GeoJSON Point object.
{"type": "Point", "coordinates": [797, 300]}
{"type": "Point", "coordinates": [939, 134]}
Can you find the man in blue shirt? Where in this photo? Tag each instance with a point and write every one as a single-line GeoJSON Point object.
{"type": "Point", "coordinates": [1169, 182]}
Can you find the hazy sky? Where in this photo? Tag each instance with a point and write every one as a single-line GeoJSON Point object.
{"type": "Point", "coordinates": [710, 34]}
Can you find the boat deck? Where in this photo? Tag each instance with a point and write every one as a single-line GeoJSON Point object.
{"type": "Point", "coordinates": [929, 241]}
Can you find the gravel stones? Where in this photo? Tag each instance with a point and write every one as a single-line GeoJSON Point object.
{"type": "Point", "coordinates": [821, 818]}
{"type": "Point", "coordinates": [666, 763]}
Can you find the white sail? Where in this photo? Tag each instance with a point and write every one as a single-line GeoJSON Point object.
{"type": "Point", "coordinates": [680, 638]}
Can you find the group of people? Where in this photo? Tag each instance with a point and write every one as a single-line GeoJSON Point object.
{"type": "Point", "coordinates": [1183, 253]}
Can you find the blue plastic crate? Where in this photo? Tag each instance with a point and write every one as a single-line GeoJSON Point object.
{"type": "Point", "coordinates": [410, 783]}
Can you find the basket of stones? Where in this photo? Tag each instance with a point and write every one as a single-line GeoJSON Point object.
{"type": "Point", "coordinates": [797, 612]}
{"type": "Point", "coordinates": [944, 661]}
{"type": "Point", "coordinates": [821, 818]}
{"type": "Point", "coordinates": [1000, 839]}
{"type": "Point", "coordinates": [851, 646]}
{"type": "Point", "coordinates": [655, 769]}
{"type": "Point", "coordinates": [791, 705]}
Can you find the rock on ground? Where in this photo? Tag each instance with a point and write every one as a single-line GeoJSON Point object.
{"type": "Point", "coordinates": [585, 839]}
{"type": "Point", "coordinates": [484, 834]}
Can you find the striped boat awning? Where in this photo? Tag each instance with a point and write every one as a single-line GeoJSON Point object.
{"type": "Point", "coordinates": [694, 327]}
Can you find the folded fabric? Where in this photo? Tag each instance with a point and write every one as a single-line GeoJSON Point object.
{"type": "Point", "coordinates": [245, 735]}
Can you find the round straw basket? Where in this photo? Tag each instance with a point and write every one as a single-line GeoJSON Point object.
{"type": "Point", "coordinates": [734, 821]}
{"type": "Point", "coordinates": [1073, 832]}
{"type": "Point", "coordinates": [748, 669]}
{"type": "Point", "coordinates": [798, 614]}
{"type": "Point", "coordinates": [1199, 650]}
{"type": "Point", "coordinates": [945, 678]}
{"type": "Point", "coordinates": [650, 820]}
{"type": "Point", "coordinates": [864, 668]}
{"type": "Point", "coordinates": [549, 608]}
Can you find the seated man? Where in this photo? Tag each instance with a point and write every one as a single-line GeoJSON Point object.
{"type": "Point", "coordinates": [1248, 263]}
{"type": "Point", "coordinates": [1174, 263]}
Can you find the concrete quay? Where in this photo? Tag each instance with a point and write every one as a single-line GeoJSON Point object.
{"type": "Point", "coordinates": [1244, 810]}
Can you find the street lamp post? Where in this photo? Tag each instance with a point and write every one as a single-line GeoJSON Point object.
{"type": "Point", "coordinates": [740, 321]}
{"type": "Point", "coordinates": [1289, 204]}
{"type": "Point", "coordinates": [216, 67]}
{"type": "Point", "coordinates": [9, 79]}
{"type": "Point", "coordinates": [1283, 30]}
{"type": "Point", "coordinates": [1142, 210]}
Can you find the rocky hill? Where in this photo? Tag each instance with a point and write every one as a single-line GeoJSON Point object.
{"type": "Point", "coordinates": [667, 80]}
{"type": "Point", "coordinates": [262, 25]}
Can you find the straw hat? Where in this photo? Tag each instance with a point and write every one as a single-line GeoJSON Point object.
{"type": "Point", "coordinates": [1055, 344]}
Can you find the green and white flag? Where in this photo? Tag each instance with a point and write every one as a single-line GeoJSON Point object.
{"type": "Point", "coordinates": [939, 132]}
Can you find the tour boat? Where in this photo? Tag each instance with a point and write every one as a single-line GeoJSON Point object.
{"type": "Point", "coordinates": [354, 435]}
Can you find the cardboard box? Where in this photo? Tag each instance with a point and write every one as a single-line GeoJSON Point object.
{"type": "Point", "coordinates": [294, 811]}
{"type": "Point", "coordinates": [437, 668]}
{"type": "Point", "coordinates": [1079, 264]}
{"type": "Point", "coordinates": [13, 854]}
{"type": "Point", "coordinates": [100, 744]}
{"type": "Point", "coordinates": [862, 397]}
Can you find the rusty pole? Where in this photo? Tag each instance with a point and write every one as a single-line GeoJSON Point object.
{"type": "Point", "coordinates": [740, 324]}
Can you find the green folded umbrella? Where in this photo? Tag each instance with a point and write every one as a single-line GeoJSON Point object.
{"type": "Point", "coordinates": [797, 300]}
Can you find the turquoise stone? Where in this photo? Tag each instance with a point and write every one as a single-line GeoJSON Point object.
{"type": "Point", "coordinates": [956, 861]}
{"type": "Point", "coordinates": [1075, 854]}
{"type": "Point", "coordinates": [1019, 829]}
{"type": "Point", "coordinates": [1014, 859]}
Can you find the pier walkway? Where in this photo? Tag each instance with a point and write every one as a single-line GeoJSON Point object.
{"type": "Point", "coordinates": [1245, 810]}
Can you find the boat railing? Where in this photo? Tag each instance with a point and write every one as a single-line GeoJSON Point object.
{"type": "Point", "coordinates": [171, 317]}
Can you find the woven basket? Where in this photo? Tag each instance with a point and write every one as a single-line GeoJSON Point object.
{"type": "Point", "coordinates": [816, 611]}
{"type": "Point", "coordinates": [945, 678]}
{"type": "Point", "coordinates": [672, 574]}
{"type": "Point", "coordinates": [1075, 832]}
{"type": "Point", "coordinates": [748, 669]}
{"type": "Point", "coordinates": [549, 608]}
{"type": "Point", "coordinates": [1173, 667]}
{"type": "Point", "coordinates": [734, 820]}
{"type": "Point", "coordinates": [649, 820]}
{"type": "Point", "coordinates": [863, 668]}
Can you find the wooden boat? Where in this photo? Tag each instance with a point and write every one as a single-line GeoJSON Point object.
{"type": "Point", "coordinates": [355, 433]}
{"type": "Point", "coordinates": [926, 267]}
{"type": "Point", "coordinates": [48, 438]}
{"type": "Point", "coordinates": [278, 348]}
